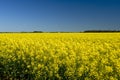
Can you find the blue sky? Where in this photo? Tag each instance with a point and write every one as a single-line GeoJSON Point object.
{"type": "Point", "coordinates": [59, 15]}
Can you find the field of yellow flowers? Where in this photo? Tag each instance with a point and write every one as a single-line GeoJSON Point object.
{"type": "Point", "coordinates": [60, 56]}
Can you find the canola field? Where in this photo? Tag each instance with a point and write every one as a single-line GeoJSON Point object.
{"type": "Point", "coordinates": [60, 56]}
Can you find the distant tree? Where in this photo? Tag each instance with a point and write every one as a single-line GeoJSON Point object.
{"type": "Point", "coordinates": [102, 31]}
{"type": "Point", "coordinates": [37, 31]}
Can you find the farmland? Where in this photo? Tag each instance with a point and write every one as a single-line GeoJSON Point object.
{"type": "Point", "coordinates": [66, 56]}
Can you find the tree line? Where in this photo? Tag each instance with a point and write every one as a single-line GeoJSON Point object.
{"type": "Point", "coordinates": [86, 31]}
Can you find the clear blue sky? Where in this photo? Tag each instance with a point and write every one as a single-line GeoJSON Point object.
{"type": "Point", "coordinates": [59, 15]}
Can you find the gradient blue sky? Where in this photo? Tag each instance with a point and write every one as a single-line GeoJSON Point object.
{"type": "Point", "coordinates": [59, 15]}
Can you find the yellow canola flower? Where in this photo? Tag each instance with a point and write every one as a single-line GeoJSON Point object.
{"type": "Point", "coordinates": [62, 56]}
{"type": "Point", "coordinates": [108, 69]}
